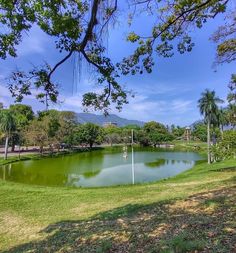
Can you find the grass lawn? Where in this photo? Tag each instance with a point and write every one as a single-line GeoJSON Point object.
{"type": "Point", "coordinates": [192, 212]}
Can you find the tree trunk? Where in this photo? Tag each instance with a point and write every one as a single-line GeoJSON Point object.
{"type": "Point", "coordinates": [208, 142]}
{"type": "Point", "coordinates": [13, 146]}
{"type": "Point", "coordinates": [6, 147]}
{"type": "Point", "coordinates": [41, 150]}
{"type": "Point", "coordinates": [19, 150]}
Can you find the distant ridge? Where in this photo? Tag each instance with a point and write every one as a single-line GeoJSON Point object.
{"type": "Point", "coordinates": [101, 119]}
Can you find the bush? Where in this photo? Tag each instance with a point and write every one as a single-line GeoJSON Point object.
{"type": "Point", "coordinates": [226, 148]}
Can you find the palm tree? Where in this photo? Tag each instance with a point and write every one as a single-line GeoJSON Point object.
{"type": "Point", "coordinates": [222, 120]}
{"type": "Point", "coordinates": [208, 105]}
{"type": "Point", "coordinates": [7, 126]}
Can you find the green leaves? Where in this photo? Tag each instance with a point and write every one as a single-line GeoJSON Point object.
{"type": "Point", "coordinates": [78, 28]}
{"type": "Point", "coordinates": [133, 37]}
{"type": "Point", "coordinates": [88, 134]}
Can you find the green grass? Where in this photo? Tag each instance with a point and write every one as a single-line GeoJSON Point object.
{"type": "Point", "coordinates": [189, 212]}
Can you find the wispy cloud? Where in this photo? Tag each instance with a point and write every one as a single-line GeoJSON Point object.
{"type": "Point", "coordinates": [160, 110]}
{"type": "Point", "coordinates": [4, 91]}
{"type": "Point", "coordinates": [33, 42]}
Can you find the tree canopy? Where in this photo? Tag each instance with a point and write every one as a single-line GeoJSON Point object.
{"type": "Point", "coordinates": [78, 28]}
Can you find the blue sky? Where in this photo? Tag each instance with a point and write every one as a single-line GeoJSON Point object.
{"type": "Point", "coordinates": [168, 95]}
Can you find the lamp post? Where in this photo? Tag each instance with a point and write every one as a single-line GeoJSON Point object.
{"type": "Point", "coordinates": [132, 143]}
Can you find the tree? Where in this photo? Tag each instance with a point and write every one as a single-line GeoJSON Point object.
{"type": "Point", "coordinates": [37, 133]}
{"type": "Point", "coordinates": [7, 126]}
{"type": "Point", "coordinates": [200, 131]}
{"type": "Point", "coordinates": [78, 28]}
{"type": "Point", "coordinates": [232, 101]}
{"type": "Point", "coordinates": [154, 133]}
{"type": "Point", "coordinates": [225, 37]}
{"type": "Point", "coordinates": [68, 122]}
{"type": "Point", "coordinates": [22, 114]}
{"type": "Point", "coordinates": [223, 120]}
{"type": "Point", "coordinates": [153, 126]}
{"type": "Point", "coordinates": [157, 138]}
{"type": "Point", "coordinates": [177, 131]}
{"type": "Point", "coordinates": [88, 134]}
{"type": "Point", "coordinates": [112, 134]}
{"type": "Point", "coordinates": [226, 148]}
{"type": "Point", "coordinates": [208, 105]}
{"type": "Point", "coordinates": [142, 137]}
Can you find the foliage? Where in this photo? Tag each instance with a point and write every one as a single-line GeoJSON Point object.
{"type": "Point", "coordinates": [22, 114]}
{"type": "Point", "coordinates": [78, 28]}
{"type": "Point", "coordinates": [177, 131]}
{"type": "Point", "coordinates": [208, 105]}
{"type": "Point", "coordinates": [7, 126]}
{"type": "Point", "coordinates": [37, 133]}
{"type": "Point", "coordinates": [142, 138]}
{"type": "Point", "coordinates": [232, 101]}
{"type": "Point", "coordinates": [153, 126]}
{"type": "Point", "coordinates": [7, 122]}
{"type": "Point", "coordinates": [199, 132]}
{"type": "Point", "coordinates": [225, 37]}
{"type": "Point", "coordinates": [226, 148]}
{"type": "Point", "coordinates": [112, 135]}
{"type": "Point", "coordinates": [154, 133]}
{"type": "Point", "coordinates": [88, 134]}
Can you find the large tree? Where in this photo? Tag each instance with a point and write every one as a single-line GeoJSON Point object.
{"type": "Point", "coordinates": [7, 126]}
{"type": "Point", "coordinates": [78, 28]}
{"type": "Point", "coordinates": [208, 105]}
{"type": "Point", "coordinates": [232, 101]}
{"type": "Point", "coordinates": [22, 114]}
{"type": "Point", "coordinates": [88, 134]}
{"type": "Point", "coordinates": [226, 40]}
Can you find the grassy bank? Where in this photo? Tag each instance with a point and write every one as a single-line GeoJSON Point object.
{"type": "Point", "coordinates": [192, 211]}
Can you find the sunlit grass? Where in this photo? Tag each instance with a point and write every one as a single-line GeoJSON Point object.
{"type": "Point", "coordinates": [26, 210]}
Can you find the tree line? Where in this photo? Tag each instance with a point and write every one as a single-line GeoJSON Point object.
{"type": "Point", "coordinates": [54, 130]}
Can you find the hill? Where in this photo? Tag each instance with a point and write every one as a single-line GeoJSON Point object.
{"type": "Point", "coordinates": [101, 119]}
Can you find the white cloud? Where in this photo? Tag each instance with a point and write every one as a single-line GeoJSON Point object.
{"type": "Point", "coordinates": [33, 42]}
{"type": "Point", "coordinates": [159, 89]}
{"type": "Point", "coordinates": [145, 109]}
{"type": "Point", "coordinates": [181, 106]}
{"type": "Point", "coordinates": [4, 91]}
{"type": "Point", "coordinates": [159, 110]}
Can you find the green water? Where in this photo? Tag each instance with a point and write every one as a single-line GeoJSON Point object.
{"type": "Point", "coordinates": [100, 168]}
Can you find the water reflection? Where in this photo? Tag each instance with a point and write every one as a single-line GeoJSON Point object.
{"type": "Point", "coordinates": [99, 168]}
{"type": "Point", "coordinates": [157, 163]}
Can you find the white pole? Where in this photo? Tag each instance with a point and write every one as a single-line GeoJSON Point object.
{"type": "Point", "coordinates": [132, 132]}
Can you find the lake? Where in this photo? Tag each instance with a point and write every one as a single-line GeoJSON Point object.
{"type": "Point", "coordinates": [104, 167]}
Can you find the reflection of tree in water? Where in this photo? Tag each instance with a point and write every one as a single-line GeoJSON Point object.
{"type": "Point", "coordinates": [21, 174]}
{"type": "Point", "coordinates": [160, 162]}
{"type": "Point", "coordinates": [156, 163]}
{"type": "Point", "coordinates": [61, 171]}
{"type": "Point", "coordinates": [90, 174]}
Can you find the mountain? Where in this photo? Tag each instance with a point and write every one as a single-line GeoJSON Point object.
{"type": "Point", "coordinates": [101, 119]}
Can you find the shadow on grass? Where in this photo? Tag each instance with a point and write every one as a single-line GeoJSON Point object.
{"type": "Point", "coordinates": [200, 223]}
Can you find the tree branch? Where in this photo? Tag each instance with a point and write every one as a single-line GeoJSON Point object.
{"type": "Point", "coordinates": [59, 63]}
{"type": "Point", "coordinates": [91, 24]}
